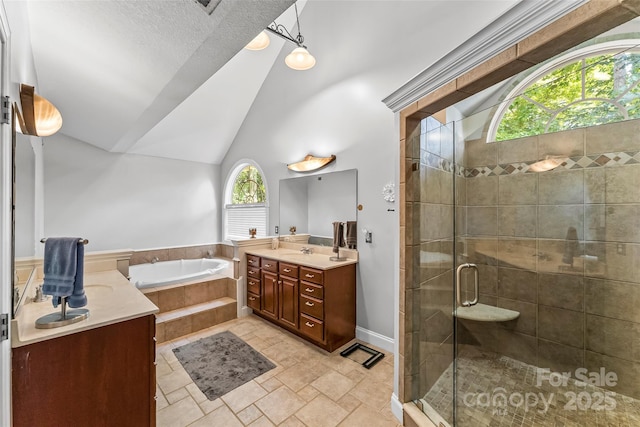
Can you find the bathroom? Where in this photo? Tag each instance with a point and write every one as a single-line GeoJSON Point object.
{"type": "Point", "coordinates": [73, 179]}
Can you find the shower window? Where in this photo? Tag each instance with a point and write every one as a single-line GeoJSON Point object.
{"type": "Point", "coordinates": [591, 86]}
{"type": "Point", "coordinates": [245, 202]}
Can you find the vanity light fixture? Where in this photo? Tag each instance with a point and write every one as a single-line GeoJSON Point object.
{"type": "Point", "coordinates": [311, 163]}
{"type": "Point", "coordinates": [39, 117]}
{"type": "Point", "coordinates": [300, 58]}
{"type": "Point", "coordinates": [548, 163]}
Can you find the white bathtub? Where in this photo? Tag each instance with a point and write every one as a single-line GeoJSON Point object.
{"type": "Point", "coordinates": [170, 272]}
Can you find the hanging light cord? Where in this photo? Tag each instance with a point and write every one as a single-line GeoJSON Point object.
{"type": "Point", "coordinates": [299, 39]}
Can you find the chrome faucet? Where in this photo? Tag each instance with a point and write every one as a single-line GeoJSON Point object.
{"type": "Point", "coordinates": [154, 260]}
{"type": "Point", "coordinates": [306, 250]}
{"type": "Point", "coordinates": [209, 253]}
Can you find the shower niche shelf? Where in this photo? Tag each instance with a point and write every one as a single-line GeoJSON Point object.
{"type": "Point", "coordinates": [486, 313]}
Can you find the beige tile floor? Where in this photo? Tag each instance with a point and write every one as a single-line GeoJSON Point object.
{"type": "Point", "coordinates": [309, 387]}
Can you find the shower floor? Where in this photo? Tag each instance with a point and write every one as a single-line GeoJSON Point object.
{"type": "Point", "coordinates": [498, 391]}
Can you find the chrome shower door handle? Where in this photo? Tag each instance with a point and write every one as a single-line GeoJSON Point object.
{"type": "Point", "coordinates": [476, 285]}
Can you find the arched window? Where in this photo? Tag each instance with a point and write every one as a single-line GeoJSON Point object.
{"type": "Point", "coordinates": [245, 202]}
{"type": "Point", "coordinates": [591, 86]}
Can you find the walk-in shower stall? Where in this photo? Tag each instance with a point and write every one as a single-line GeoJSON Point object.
{"type": "Point", "coordinates": [527, 247]}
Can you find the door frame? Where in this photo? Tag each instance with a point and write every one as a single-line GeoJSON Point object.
{"type": "Point", "coordinates": [6, 250]}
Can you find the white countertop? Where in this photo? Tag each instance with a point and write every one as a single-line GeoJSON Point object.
{"type": "Point", "coordinates": [317, 260]}
{"type": "Point", "coordinates": [111, 298]}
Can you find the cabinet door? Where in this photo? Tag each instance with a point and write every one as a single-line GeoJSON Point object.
{"type": "Point", "coordinates": [270, 294]}
{"type": "Point", "coordinates": [289, 301]}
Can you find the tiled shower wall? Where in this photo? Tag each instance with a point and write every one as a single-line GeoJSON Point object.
{"type": "Point", "coordinates": [579, 300]}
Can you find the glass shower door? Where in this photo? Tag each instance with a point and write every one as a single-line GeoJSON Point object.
{"type": "Point", "coordinates": [434, 299]}
{"type": "Point", "coordinates": [553, 339]}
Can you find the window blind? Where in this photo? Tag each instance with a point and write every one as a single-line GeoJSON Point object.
{"type": "Point", "coordinates": [240, 218]}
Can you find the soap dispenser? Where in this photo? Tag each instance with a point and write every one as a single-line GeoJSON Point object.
{"type": "Point", "coordinates": [40, 297]}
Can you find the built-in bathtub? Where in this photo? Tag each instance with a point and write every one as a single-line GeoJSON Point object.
{"type": "Point", "coordinates": [178, 271]}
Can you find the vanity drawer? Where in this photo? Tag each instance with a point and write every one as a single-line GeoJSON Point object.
{"type": "Point", "coordinates": [289, 270]}
{"type": "Point", "coordinates": [311, 327]}
{"type": "Point", "coordinates": [253, 261]}
{"type": "Point", "coordinates": [311, 275]}
{"type": "Point", "coordinates": [253, 301]}
{"type": "Point", "coordinates": [269, 265]}
{"type": "Point", "coordinates": [312, 290]}
{"type": "Point", "coordinates": [312, 306]}
{"type": "Point", "coordinates": [253, 272]}
{"type": "Point", "coordinates": [253, 285]}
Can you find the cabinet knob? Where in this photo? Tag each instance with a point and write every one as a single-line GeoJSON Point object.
{"type": "Point", "coordinates": [267, 265]}
{"type": "Point", "coordinates": [252, 298]}
{"type": "Point", "coordinates": [309, 289]}
{"type": "Point", "coordinates": [287, 270]}
{"type": "Point", "coordinates": [251, 272]}
{"type": "Point", "coordinates": [311, 325]}
{"type": "Point", "coordinates": [310, 304]}
{"type": "Point", "coordinates": [309, 275]}
{"type": "Point", "coordinates": [250, 261]}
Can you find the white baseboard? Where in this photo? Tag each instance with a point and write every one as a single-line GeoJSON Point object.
{"type": "Point", "coordinates": [375, 338]}
{"type": "Point", "coordinates": [244, 311]}
{"type": "Point", "coordinates": [396, 408]}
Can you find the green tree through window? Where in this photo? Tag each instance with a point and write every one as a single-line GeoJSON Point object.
{"type": "Point", "coordinates": [588, 92]}
{"type": "Point", "coordinates": [248, 187]}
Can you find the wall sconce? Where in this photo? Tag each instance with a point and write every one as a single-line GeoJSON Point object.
{"type": "Point", "coordinates": [300, 58]}
{"type": "Point", "coordinates": [311, 163]}
{"type": "Point", "coordinates": [39, 117]}
{"type": "Point", "coordinates": [548, 163]}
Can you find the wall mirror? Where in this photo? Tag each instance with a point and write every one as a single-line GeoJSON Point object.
{"type": "Point", "coordinates": [312, 203]}
{"type": "Point", "coordinates": [23, 216]}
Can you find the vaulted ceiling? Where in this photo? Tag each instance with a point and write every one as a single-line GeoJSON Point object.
{"type": "Point", "coordinates": [168, 79]}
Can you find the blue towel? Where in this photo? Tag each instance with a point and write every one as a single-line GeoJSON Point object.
{"type": "Point", "coordinates": [64, 270]}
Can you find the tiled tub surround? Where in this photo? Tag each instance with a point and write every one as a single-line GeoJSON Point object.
{"type": "Point", "coordinates": [190, 307]}
{"type": "Point", "coordinates": [578, 299]}
{"type": "Point", "coordinates": [214, 250]}
{"type": "Point", "coordinates": [194, 305]}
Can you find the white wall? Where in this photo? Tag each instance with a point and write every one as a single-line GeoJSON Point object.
{"type": "Point", "coordinates": [126, 200]}
{"type": "Point", "coordinates": [334, 108]}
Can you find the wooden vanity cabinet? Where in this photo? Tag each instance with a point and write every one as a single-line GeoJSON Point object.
{"type": "Point", "coordinates": [98, 377]}
{"type": "Point", "coordinates": [288, 294]}
{"type": "Point", "coordinates": [318, 305]}
{"type": "Point", "coordinates": [269, 294]}
{"type": "Point", "coordinates": [254, 282]}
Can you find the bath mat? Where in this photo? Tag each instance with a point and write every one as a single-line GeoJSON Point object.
{"type": "Point", "coordinates": [221, 363]}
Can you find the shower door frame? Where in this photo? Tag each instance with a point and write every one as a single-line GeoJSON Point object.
{"type": "Point", "coordinates": [580, 25]}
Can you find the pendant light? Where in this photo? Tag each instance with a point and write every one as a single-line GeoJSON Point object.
{"type": "Point", "coordinates": [300, 58]}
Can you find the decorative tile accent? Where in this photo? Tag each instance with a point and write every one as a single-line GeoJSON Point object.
{"type": "Point", "coordinates": [572, 163]}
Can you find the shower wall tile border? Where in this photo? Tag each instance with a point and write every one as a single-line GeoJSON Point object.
{"type": "Point", "coordinates": [615, 159]}
{"type": "Point", "coordinates": [579, 162]}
